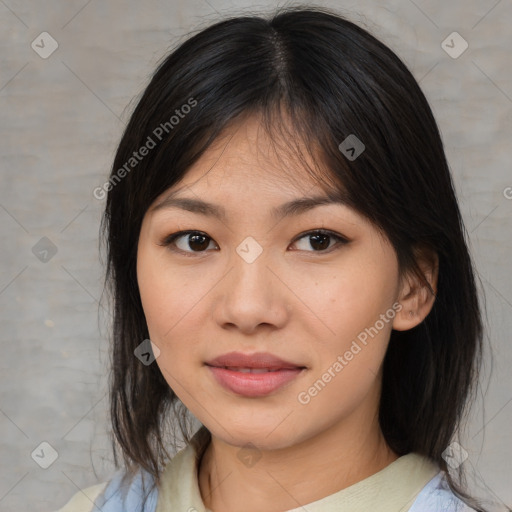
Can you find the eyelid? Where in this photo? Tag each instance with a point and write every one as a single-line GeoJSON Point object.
{"type": "Point", "coordinates": [339, 237]}
{"type": "Point", "coordinates": [169, 239]}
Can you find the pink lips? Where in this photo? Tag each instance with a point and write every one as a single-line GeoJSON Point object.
{"type": "Point", "coordinates": [253, 375]}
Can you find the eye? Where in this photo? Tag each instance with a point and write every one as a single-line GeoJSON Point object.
{"type": "Point", "coordinates": [190, 242]}
{"type": "Point", "coordinates": [319, 240]}
{"type": "Point", "coordinates": [185, 240]}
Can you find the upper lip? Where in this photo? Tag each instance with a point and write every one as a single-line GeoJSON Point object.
{"type": "Point", "coordinates": [255, 360]}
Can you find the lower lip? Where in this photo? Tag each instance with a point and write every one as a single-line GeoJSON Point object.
{"type": "Point", "coordinates": [254, 384]}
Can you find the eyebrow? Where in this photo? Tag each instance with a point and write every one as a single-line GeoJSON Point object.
{"type": "Point", "coordinates": [294, 207]}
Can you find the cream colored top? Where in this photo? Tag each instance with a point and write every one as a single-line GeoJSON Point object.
{"type": "Point", "coordinates": [392, 489]}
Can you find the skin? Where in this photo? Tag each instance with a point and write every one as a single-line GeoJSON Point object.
{"type": "Point", "coordinates": [301, 303]}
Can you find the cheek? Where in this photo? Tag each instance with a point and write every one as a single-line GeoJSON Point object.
{"type": "Point", "coordinates": [350, 356]}
{"type": "Point", "coordinates": [170, 300]}
{"type": "Point", "coordinates": [168, 307]}
{"type": "Point", "coordinates": [353, 296]}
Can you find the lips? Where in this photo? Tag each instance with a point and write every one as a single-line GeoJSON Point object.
{"type": "Point", "coordinates": [249, 370]}
{"type": "Point", "coordinates": [264, 361]}
{"type": "Point", "coordinates": [253, 375]}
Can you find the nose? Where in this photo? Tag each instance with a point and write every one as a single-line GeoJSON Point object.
{"type": "Point", "coordinates": [252, 297]}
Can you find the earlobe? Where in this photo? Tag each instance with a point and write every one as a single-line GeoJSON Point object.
{"type": "Point", "coordinates": [416, 297]}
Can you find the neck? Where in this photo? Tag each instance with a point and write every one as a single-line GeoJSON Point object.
{"type": "Point", "coordinates": [287, 478]}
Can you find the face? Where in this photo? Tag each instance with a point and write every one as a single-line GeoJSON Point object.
{"type": "Point", "coordinates": [316, 287]}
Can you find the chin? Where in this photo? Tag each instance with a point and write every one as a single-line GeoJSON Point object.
{"type": "Point", "coordinates": [255, 436]}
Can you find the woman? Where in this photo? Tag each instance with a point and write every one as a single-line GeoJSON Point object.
{"type": "Point", "coordinates": [287, 261]}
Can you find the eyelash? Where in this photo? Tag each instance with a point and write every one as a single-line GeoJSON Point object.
{"type": "Point", "coordinates": [169, 240]}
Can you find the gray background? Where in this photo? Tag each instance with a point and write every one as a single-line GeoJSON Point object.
{"type": "Point", "coordinates": [61, 118]}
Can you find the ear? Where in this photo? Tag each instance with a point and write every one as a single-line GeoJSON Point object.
{"type": "Point", "coordinates": [415, 296]}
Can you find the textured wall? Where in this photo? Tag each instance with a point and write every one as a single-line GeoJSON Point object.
{"type": "Point", "coordinates": [61, 117]}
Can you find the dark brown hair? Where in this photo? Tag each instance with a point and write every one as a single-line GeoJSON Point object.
{"type": "Point", "coordinates": [329, 78]}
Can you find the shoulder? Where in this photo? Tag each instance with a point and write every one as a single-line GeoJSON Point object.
{"type": "Point", "coordinates": [438, 496]}
{"type": "Point", "coordinates": [120, 493]}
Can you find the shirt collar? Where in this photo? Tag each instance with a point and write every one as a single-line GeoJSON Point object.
{"type": "Point", "coordinates": [393, 488]}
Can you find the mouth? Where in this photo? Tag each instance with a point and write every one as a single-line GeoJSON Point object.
{"type": "Point", "coordinates": [253, 375]}
{"type": "Point", "coordinates": [240, 361]}
{"type": "Point", "coordinates": [256, 370]}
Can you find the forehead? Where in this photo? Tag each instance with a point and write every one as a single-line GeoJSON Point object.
{"type": "Point", "coordinates": [246, 156]}
{"type": "Point", "coordinates": [247, 172]}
